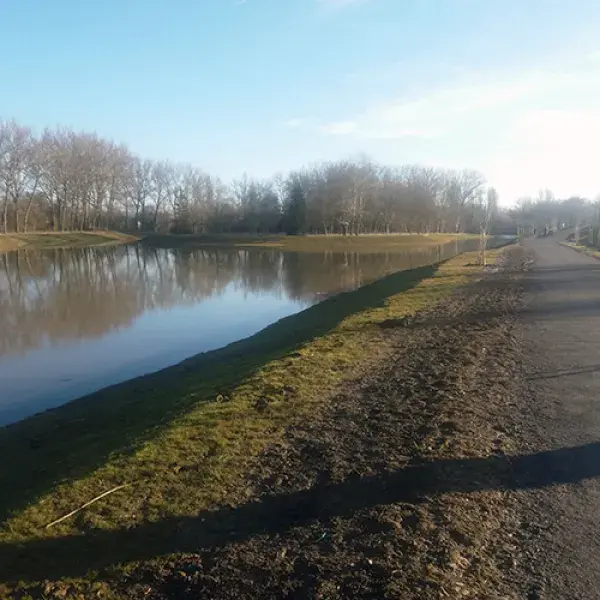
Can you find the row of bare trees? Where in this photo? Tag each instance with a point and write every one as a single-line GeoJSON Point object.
{"type": "Point", "coordinates": [547, 213]}
{"type": "Point", "coordinates": [63, 180]}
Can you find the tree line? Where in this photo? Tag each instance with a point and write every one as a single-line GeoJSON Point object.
{"type": "Point", "coordinates": [546, 212]}
{"type": "Point", "coordinates": [62, 180]}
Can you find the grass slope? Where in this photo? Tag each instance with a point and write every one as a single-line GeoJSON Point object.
{"type": "Point", "coordinates": [307, 243]}
{"type": "Point", "coordinates": [68, 239]}
{"type": "Point", "coordinates": [182, 437]}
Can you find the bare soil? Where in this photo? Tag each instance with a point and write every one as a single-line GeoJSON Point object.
{"type": "Point", "coordinates": [395, 489]}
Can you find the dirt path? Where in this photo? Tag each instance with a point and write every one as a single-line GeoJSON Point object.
{"type": "Point", "coordinates": [393, 490]}
{"type": "Point", "coordinates": [561, 422]}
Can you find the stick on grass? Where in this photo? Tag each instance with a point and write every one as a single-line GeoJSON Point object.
{"type": "Point", "coordinates": [74, 512]}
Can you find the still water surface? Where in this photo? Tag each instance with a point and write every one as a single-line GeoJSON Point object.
{"type": "Point", "coordinates": [74, 321]}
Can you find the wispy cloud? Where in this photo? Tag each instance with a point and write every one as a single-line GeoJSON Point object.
{"type": "Point", "coordinates": [429, 115]}
{"type": "Point", "coordinates": [340, 127]}
{"type": "Point", "coordinates": [525, 130]}
{"type": "Point", "coordinates": [341, 3]}
{"type": "Point", "coordinates": [440, 111]}
{"type": "Point", "coordinates": [592, 56]}
{"type": "Point", "coordinates": [297, 122]}
{"type": "Point", "coordinates": [551, 139]}
{"type": "Point", "coordinates": [554, 148]}
{"type": "Point", "coordinates": [330, 6]}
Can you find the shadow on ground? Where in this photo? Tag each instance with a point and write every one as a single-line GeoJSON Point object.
{"type": "Point", "coordinates": [76, 555]}
{"type": "Point", "coordinates": [557, 373]}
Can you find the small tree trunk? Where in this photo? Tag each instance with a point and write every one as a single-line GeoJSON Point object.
{"type": "Point", "coordinates": [481, 249]}
{"type": "Point", "coordinates": [16, 217]}
{"type": "Point", "coordinates": [26, 217]}
{"type": "Point", "coordinates": [483, 245]}
{"type": "Point", "coordinates": [5, 217]}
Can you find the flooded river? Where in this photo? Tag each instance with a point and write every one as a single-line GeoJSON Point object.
{"type": "Point", "coordinates": [74, 321]}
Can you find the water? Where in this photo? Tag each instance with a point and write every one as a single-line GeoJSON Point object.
{"type": "Point", "coordinates": [74, 321]}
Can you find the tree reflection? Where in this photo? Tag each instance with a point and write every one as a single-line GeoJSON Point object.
{"type": "Point", "coordinates": [63, 295]}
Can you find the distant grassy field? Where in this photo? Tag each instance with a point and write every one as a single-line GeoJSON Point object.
{"type": "Point", "coordinates": [68, 239]}
{"type": "Point", "coordinates": [179, 439]}
{"type": "Point", "coordinates": [307, 243]}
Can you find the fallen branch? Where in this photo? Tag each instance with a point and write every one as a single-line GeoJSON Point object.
{"type": "Point", "coordinates": [73, 512]}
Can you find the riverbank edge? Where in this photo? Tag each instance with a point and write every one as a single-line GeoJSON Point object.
{"type": "Point", "coordinates": [199, 425]}
{"type": "Point", "coordinates": [587, 250]}
{"type": "Point", "coordinates": [335, 512]}
{"type": "Point", "coordinates": [48, 240]}
{"type": "Point", "coordinates": [305, 243]}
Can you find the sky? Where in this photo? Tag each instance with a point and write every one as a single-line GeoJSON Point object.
{"type": "Point", "coordinates": [509, 87]}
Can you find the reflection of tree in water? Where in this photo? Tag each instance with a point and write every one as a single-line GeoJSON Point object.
{"type": "Point", "coordinates": [82, 293]}
{"type": "Point", "coordinates": [307, 275]}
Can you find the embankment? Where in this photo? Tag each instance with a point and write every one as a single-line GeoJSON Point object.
{"type": "Point", "coordinates": [306, 243]}
{"type": "Point", "coordinates": [68, 239]}
{"type": "Point", "coordinates": [337, 399]}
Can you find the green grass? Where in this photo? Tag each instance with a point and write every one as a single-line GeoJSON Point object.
{"type": "Point", "coordinates": [183, 437]}
{"type": "Point", "coordinates": [307, 243]}
{"type": "Point", "coordinates": [583, 248]}
{"type": "Point", "coordinates": [68, 239]}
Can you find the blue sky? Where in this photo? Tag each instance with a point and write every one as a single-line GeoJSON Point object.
{"type": "Point", "coordinates": [509, 87]}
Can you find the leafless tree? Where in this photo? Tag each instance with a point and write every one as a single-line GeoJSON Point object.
{"type": "Point", "coordinates": [17, 174]}
{"type": "Point", "coordinates": [488, 207]}
{"type": "Point", "coordinates": [63, 180]}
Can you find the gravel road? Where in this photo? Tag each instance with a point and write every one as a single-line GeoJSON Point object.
{"type": "Point", "coordinates": [561, 419]}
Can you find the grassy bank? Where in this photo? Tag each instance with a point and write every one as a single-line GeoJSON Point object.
{"type": "Point", "coordinates": [68, 239]}
{"type": "Point", "coordinates": [181, 438]}
{"type": "Point", "coordinates": [307, 243]}
{"type": "Point", "coordinates": [583, 248]}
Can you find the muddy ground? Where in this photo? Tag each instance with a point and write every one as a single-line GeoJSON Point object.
{"type": "Point", "coordinates": [395, 489]}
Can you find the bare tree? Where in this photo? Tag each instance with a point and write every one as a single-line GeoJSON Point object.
{"type": "Point", "coordinates": [5, 144]}
{"type": "Point", "coordinates": [488, 207]}
{"type": "Point", "coordinates": [163, 178]}
{"type": "Point", "coordinates": [461, 190]}
{"type": "Point", "coordinates": [16, 172]}
{"type": "Point", "coordinates": [142, 190]}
